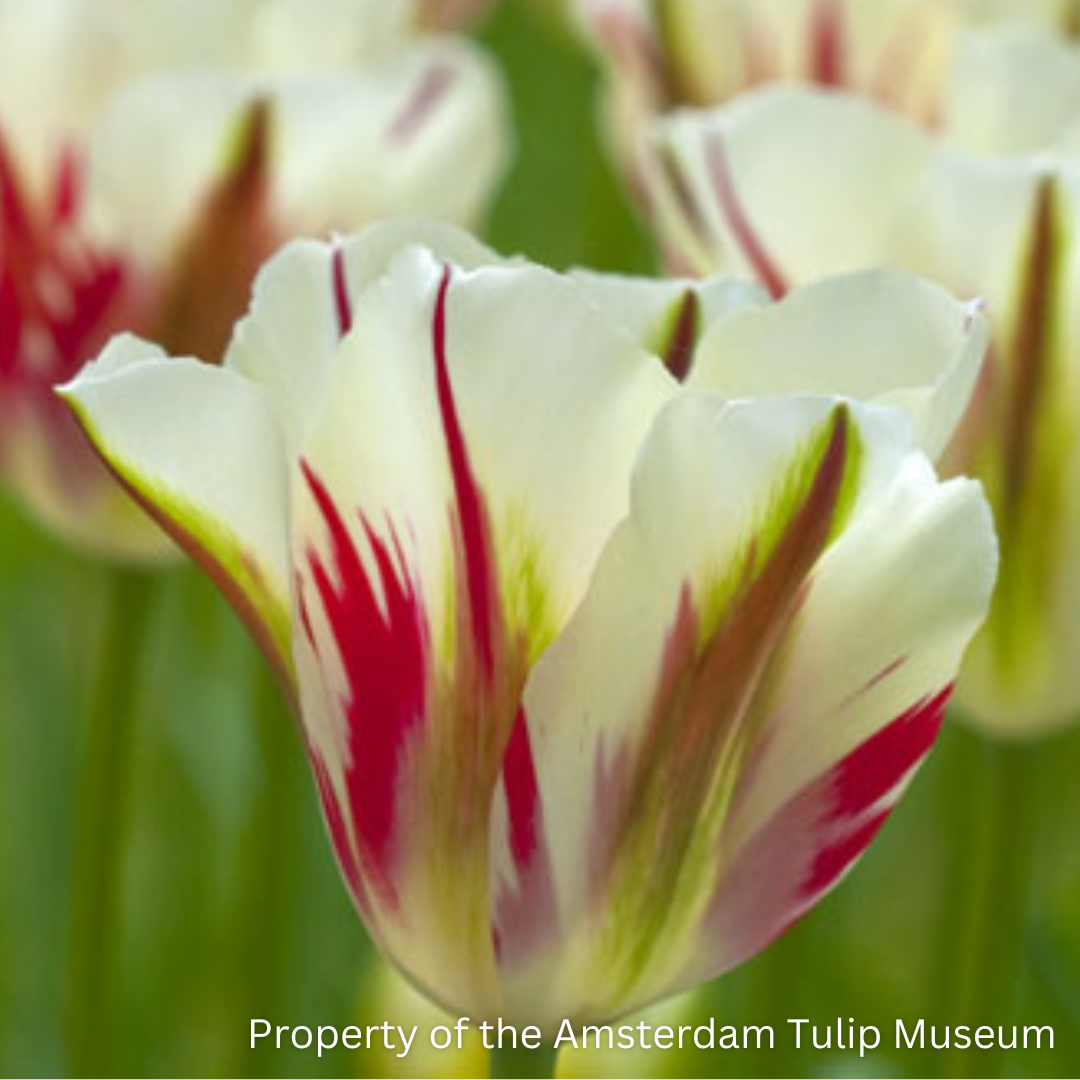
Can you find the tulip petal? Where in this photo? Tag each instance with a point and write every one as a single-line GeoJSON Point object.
{"type": "Point", "coordinates": [786, 185]}
{"type": "Point", "coordinates": [302, 306]}
{"type": "Point", "coordinates": [299, 35]}
{"type": "Point", "coordinates": [824, 184]}
{"type": "Point", "coordinates": [1012, 91]}
{"type": "Point", "coordinates": [879, 336]}
{"type": "Point", "coordinates": [668, 317]}
{"type": "Point", "coordinates": [461, 479]}
{"type": "Point", "coordinates": [360, 145]}
{"type": "Point", "coordinates": [157, 196]}
{"type": "Point", "coordinates": [891, 49]}
{"type": "Point", "coordinates": [199, 449]}
{"type": "Point", "coordinates": [734, 663]}
{"type": "Point", "coordinates": [1021, 677]}
{"type": "Point", "coordinates": [870, 662]}
{"type": "Point", "coordinates": [346, 146]}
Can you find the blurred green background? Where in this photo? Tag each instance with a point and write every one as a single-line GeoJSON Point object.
{"type": "Point", "coordinates": [230, 903]}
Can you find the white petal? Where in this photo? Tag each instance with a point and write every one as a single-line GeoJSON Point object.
{"type": "Point", "coordinates": [879, 335]}
{"type": "Point", "coordinates": [423, 133]}
{"type": "Point", "coordinates": [303, 303]}
{"type": "Point", "coordinates": [58, 63]}
{"type": "Point", "coordinates": [1012, 91]}
{"type": "Point", "coordinates": [201, 451]}
{"type": "Point", "coordinates": [150, 187]}
{"type": "Point", "coordinates": [649, 308]}
{"type": "Point", "coordinates": [801, 182]}
{"type": "Point", "coordinates": [300, 35]}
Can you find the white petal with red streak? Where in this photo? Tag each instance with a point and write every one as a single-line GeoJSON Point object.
{"type": "Point", "coordinates": [869, 662]}
{"type": "Point", "coordinates": [800, 182]}
{"type": "Point", "coordinates": [900, 591]}
{"type": "Point", "coordinates": [553, 401]}
{"type": "Point", "coordinates": [358, 145]}
{"type": "Point", "coordinates": [304, 300]}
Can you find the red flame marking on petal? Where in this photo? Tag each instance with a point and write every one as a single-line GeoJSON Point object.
{"type": "Point", "coordinates": [827, 44]}
{"type": "Point", "coordinates": [872, 770]}
{"type": "Point", "coordinates": [522, 792]}
{"type": "Point", "coordinates": [525, 914]}
{"type": "Point", "coordinates": [436, 81]}
{"type": "Point", "coordinates": [831, 862]}
{"type": "Point", "coordinates": [742, 229]}
{"type": "Point", "coordinates": [802, 850]}
{"type": "Point", "coordinates": [481, 583]}
{"type": "Point", "coordinates": [59, 301]}
{"type": "Point", "coordinates": [866, 777]}
{"type": "Point", "coordinates": [342, 303]}
{"type": "Point", "coordinates": [383, 650]}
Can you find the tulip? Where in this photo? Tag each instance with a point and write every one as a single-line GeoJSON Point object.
{"type": "Point", "coordinates": [661, 54]}
{"type": "Point", "coordinates": [153, 153]}
{"type": "Point", "coordinates": [605, 678]}
{"type": "Point", "coordinates": [790, 185]}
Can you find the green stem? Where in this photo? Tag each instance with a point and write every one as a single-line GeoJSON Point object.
{"type": "Point", "coordinates": [267, 889]}
{"type": "Point", "coordinates": [1050, 969]}
{"type": "Point", "coordinates": [987, 919]}
{"type": "Point", "coordinates": [100, 829]}
{"type": "Point", "coordinates": [509, 1061]}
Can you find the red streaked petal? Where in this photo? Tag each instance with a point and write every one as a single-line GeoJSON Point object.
{"type": "Point", "coordinates": [870, 772]}
{"type": "Point", "coordinates": [524, 911]}
{"type": "Point", "coordinates": [481, 583]}
{"type": "Point", "coordinates": [379, 626]}
{"type": "Point", "coordinates": [808, 845]}
{"type": "Point", "coordinates": [431, 89]}
{"type": "Point", "coordinates": [742, 228]}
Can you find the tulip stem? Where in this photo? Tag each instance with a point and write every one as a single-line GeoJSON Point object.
{"type": "Point", "coordinates": [101, 813]}
{"type": "Point", "coordinates": [510, 1061]}
{"type": "Point", "coordinates": [990, 912]}
{"type": "Point", "coordinates": [267, 893]}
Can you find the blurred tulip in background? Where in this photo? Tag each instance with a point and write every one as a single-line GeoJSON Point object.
{"type": "Point", "coordinates": [788, 185]}
{"type": "Point", "coordinates": [154, 153]}
{"type": "Point", "coordinates": [664, 54]}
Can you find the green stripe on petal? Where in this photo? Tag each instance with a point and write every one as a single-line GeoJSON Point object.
{"type": "Point", "coordinates": [662, 866]}
{"type": "Point", "coordinates": [1026, 467]}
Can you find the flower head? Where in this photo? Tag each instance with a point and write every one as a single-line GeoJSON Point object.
{"type": "Point", "coordinates": [154, 153]}
{"type": "Point", "coordinates": [663, 54]}
{"type": "Point", "coordinates": [789, 185]}
{"type": "Point", "coordinates": [605, 677]}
